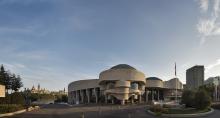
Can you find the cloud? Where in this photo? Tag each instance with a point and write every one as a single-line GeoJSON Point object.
{"type": "Point", "coordinates": [204, 4]}
{"type": "Point", "coordinates": [210, 26]}
{"type": "Point", "coordinates": [211, 66]}
{"type": "Point", "coordinates": [14, 67]}
{"type": "Point", "coordinates": [32, 55]}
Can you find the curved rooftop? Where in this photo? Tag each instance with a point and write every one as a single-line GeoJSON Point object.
{"type": "Point", "coordinates": [123, 66]}
{"type": "Point", "coordinates": [153, 78]}
{"type": "Point", "coordinates": [83, 84]}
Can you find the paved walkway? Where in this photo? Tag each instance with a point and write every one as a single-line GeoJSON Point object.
{"type": "Point", "coordinates": [65, 111]}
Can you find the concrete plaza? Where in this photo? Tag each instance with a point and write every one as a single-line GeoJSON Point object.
{"type": "Point", "coordinates": [65, 111]}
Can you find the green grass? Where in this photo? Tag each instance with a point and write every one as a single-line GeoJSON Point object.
{"type": "Point", "coordinates": [7, 108]}
{"type": "Point", "coordinates": [184, 111]}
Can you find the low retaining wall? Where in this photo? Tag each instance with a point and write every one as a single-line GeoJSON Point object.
{"type": "Point", "coordinates": [184, 115]}
{"type": "Point", "coordinates": [19, 112]}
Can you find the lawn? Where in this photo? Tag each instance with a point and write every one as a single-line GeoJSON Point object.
{"type": "Point", "coordinates": [184, 111]}
{"type": "Point", "coordinates": [7, 108]}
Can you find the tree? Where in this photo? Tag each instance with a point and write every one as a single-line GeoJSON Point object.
{"type": "Point", "coordinates": [8, 81]}
{"type": "Point", "coordinates": [5, 78]}
{"type": "Point", "coordinates": [2, 75]}
{"type": "Point", "coordinates": [188, 98]}
{"type": "Point", "coordinates": [64, 98]}
{"type": "Point", "coordinates": [209, 88]}
{"type": "Point", "coordinates": [16, 83]}
{"type": "Point", "coordinates": [202, 99]}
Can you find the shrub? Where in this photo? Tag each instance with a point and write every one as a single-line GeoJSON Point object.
{"type": "Point", "coordinates": [14, 98]}
{"type": "Point", "coordinates": [202, 99]}
{"type": "Point", "coordinates": [157, 109]}
{"type": "Point", "coordinates": [188, 98]}
{"type": "Point", "coordinates": [17, 98]}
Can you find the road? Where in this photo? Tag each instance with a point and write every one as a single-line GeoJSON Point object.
{"type": "Point", "coordinates": [65, 111]}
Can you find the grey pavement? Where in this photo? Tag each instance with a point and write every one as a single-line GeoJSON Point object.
{"type": "Point", "coordinates": [65, 111]}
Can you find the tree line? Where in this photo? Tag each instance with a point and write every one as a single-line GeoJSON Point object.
{"type": "Point", "coordinates": [10, 81]}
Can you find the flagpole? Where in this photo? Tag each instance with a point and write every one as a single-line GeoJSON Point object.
{"type": "Point", "coordinates": [176, 82]}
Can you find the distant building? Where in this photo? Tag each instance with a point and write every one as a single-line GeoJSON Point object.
{"type": "Point", "coordinates": [2, 91]}
{"type": "Point", "coordinates": [39, 90]}
{"type": "Point", "coordinates": [213, 80]}
{"type": "Point", "coordinates": [173, 88]}
{"type": "Point", "coordinates": [216, 82]}
{"type": "Point", "coordinates": [195, 77]}
{"type": "Point", "coordinates": [60, 92]}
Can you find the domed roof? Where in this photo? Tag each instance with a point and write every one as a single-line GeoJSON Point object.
{"type": "Point", "coordinates": [123, 66]}
{"type": "Point", "coordinates": [153, 78]}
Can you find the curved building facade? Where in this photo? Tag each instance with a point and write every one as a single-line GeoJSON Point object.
{"type": "Point", "coordinates": [122, 82]}
{"type": "Point", "coordinates": [119, 84]}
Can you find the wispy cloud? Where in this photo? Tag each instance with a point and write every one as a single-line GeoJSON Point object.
{"type": "Point", "coordinates": [204, 4]}
{"type": "Point", "coordinates": [213, 65]}
{"type": "Point", "coordinates": [210, 26]}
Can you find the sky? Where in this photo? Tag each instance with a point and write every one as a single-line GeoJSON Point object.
{"type": "Point", "coordinates": [55, 42]}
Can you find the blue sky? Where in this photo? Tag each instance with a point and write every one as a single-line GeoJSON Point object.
{"type": "Point", "coordinates": [54, 42]}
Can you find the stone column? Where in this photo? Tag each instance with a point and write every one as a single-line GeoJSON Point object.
{"type": "Point", "coordinates": [140, 98]}
{"type": "Point", "coordinates": [122, 102]}
{"type": "Point", "coordinates": [77, 98]}
{"type": "Point", "coordinates": [106, 98]}
{"type": "Point", "coordinates": [132, 99]}
{"type": "Point", "coordinates": [74, 97]}
{"type": "Point", "coordinates": [152, 95]}
{"type": "Point", "coordinates": [96, 96]}
{"type": "Point", "coordinates": [146, 96]}
{"type": "Point", "coordinates": [88, 95]}
{"type": "Point", "coordinates": [158, 95]}
{"type": "Point", "coordinates": [112, 100]}
{"type": "Point", "coordinates": [82, 96]}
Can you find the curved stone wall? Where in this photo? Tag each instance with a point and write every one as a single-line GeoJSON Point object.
{"type": "Point", "coordinates": [173, 84]}
{"type": "Point", "coordinates": [121, 74]}
{"type": "Point", "coordinates": [122, 79]}
{"type": "Point", "coordinates": [154, 84]}
{"type": "Point", "coordinates": [83, 84]}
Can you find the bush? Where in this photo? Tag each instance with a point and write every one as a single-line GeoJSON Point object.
{"type": "Point", "coordinates": [17, 98]}
{"type": "Point", "coordinates": [202, 99]}
{"type": "Point", "coordinates": [62, 98]}
{"type": "Point", "coordinates": [188, 98]}
{"type": "Point", "coordinates": [5, 108]}
{"type": "Point", "coordinates": [14, 98]}
{"type": "Point", "coordinates": [157, 109]}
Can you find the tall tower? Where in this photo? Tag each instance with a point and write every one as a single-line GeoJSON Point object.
{"type": "Point", "coordinates": [38, 87]}
{"type": "Point", "coordinates": [195, 77]}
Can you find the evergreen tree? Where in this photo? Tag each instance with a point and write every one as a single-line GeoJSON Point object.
{"type": "Point", "coordinates": [8, 81]}
{"type": "Point", "coordinates": [13, 81]}
{"type": "Point", "coordinates": [16, 83]}
{"type": "Point", "coordinates": [5, 78]}
{"type": "Point", "coordinates": [2, 75]}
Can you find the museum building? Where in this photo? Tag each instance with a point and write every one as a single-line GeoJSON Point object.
{"type": "Point", "coordinates": [123, 84]}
